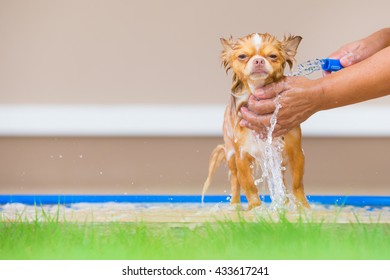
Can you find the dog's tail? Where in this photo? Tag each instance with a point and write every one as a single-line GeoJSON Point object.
{"type": "Point", "coordinates": [216, 158]}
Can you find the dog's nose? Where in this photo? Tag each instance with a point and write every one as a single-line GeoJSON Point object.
{"type": "Point", "coordinates": [258, 61]}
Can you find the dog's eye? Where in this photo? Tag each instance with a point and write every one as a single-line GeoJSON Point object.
{"type": "Point", "coordinates": [242, 56]}
{"type": "Point", "coordinates": [273, 56]}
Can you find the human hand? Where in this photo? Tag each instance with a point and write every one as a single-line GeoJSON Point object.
{"type": "Point", "coordinates": [352, 53]}
{"type": "Point", "coordinates": [296, 97]}
{"type": "Point", "coordinates": [357, 51]}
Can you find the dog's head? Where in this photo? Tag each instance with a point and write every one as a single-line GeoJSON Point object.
{"type": "Point", "coordinates": [257, 59]}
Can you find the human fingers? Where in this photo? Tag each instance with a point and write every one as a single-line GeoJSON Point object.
{"type": "Point", "coordinates": [270, 90]}
{"type": "Point", "coordinates": [350, 53]}
{"type": "Point", "coordinates": [254, 120]}
{"type": "Point", "coordinates": [261, 131]}
{"type": "Point", "coordinates": [262, 106]}
{"type": "Point", "coordinates": [261, 124]}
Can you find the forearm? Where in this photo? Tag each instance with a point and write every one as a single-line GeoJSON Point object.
{"type": "Point", "coordinates": [381, 38]}
{"type": "Point", "coordinates": [363, 81]}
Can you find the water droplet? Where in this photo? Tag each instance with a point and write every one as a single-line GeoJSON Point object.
{"type": "Point", "coordinates": [258, 181]}
{"type": "Point", "coordinates": [307, 68]}
{"type": "Point", "coordinates": [60, 156]}
{"type": "Point", "coordinates": [81, 156]}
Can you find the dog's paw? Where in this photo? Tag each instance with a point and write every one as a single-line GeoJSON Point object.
{"type": "Point", "coordinates": [236, 207]}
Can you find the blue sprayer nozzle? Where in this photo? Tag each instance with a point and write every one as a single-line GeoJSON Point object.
{"type": "Point", "coordinates": [329, 64]}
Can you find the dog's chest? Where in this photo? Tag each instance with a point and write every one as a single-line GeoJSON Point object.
{"type": "Point", "coordinates": [251, 144]}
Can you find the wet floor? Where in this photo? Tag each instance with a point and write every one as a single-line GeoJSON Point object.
{"type": "Point", "coordinates": [185, 213]}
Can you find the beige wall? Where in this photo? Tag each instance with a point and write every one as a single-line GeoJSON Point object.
{"type": "Point", "coordinates": [137, 51]}
{"type": "Point", "coordinates": [348, 166]}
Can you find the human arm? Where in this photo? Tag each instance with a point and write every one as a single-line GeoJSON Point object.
{"type": "Point", "coordinates": [357, 51]}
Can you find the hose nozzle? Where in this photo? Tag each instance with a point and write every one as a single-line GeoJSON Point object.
{"type": "Point", "coordinates": [329, 64]}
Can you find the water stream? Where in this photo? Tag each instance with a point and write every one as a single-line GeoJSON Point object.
{"type": "Point", "coordinates": [271, 161]}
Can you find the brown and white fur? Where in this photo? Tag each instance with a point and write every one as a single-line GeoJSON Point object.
{"type": "Point", "coordinates": [255, 60]}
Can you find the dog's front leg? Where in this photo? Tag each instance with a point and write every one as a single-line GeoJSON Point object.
{"type": "Point", "coordinates": [296, 163]}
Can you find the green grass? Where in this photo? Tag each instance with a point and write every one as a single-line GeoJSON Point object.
{"type": "Point", "coordinates": [224, 240]}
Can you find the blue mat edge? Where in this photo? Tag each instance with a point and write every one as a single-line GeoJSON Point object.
{"type": "Point", "coordinates": [33, 199]}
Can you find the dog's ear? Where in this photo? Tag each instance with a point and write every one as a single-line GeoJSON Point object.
{"type": "Point", "coordinates": [226, 52]}
{"type": "Point", "coordinates": [227, 44]}
{"type": "Point", "coordinates": [226, 58]}
{"type": "Point", "coordinates": [289, 46]}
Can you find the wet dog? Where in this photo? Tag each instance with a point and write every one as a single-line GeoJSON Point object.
{"type": "Point", "coordinates": [255, 60]}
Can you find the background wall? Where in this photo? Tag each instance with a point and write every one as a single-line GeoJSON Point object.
{"type": "Point", "coordinates": [143, 51]}
{"type": "Point", "coordinates": [165, 165]}
{"type": "Point", "coordinates": [164, 53]}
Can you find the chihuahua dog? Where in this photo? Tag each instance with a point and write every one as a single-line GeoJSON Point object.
{"type": "Point", "coordinates": [255, 60]}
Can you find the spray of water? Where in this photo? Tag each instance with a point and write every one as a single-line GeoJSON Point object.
{"type": "Point", "coordinates": [272, 160]}
{"type": "Point", "coordinates": [272, 167]}
{"type": "Point", "coordinates": [305, 69]}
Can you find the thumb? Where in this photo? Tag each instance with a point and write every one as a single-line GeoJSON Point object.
{"type": "Point", "coordinates": [348, 59]}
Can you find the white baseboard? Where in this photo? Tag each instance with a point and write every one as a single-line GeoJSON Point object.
{"type": "Point", "coordinates": [173, 120]}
